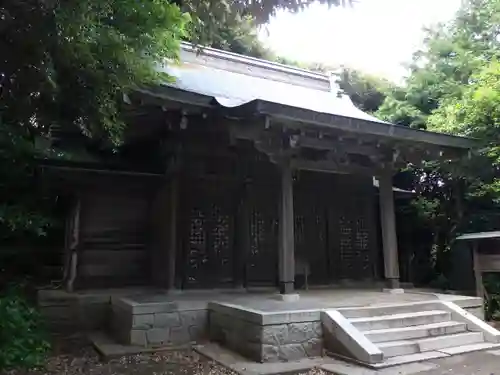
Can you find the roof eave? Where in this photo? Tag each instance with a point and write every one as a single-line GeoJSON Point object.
{"type": "Point", "coordinates": [293, 114]}
{"type": "Point", "coordinates": [304, 116]}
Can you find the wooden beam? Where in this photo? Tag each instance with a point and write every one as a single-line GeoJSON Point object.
{"type": "Point", "coordinates": [341, 145]}
{"type": "Point", "coordinates": [328, 166]}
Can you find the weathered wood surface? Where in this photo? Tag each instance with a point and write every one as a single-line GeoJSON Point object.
{"type": "Point", "coordinates": [113, 238]}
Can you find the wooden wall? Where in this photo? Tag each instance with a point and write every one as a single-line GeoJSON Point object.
{"type": "Point", "coordinates": [113, 238]}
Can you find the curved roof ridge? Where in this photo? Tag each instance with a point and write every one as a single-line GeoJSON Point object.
{"type": "Point", "coordinates": [257, 62]}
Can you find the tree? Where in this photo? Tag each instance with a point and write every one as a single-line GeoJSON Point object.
{"type": "Point", "coordinates": [241, 38]}
{"type": "Point", "coordinates": [452, 87]}
{"type": "Point", "coordinates": [452, 53]}
{"type": "Point", "coordinates": [67, 64]}
{"type": "Point", "coordinates": [366, 91]}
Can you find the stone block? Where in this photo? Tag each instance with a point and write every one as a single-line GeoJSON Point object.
{"type": "Point", "coordinates": [274, 335]}
{"type": "Point", "coordinates": [158, 336]}
{"type": "Point", "coordinates": [313, 347]}
{"type": "Point", "coordinates": [197, 333]}
{"type": "Point", "coordinates": [291, 352]}
{"type": "Point", "coordinates": [269, 353]}
{"type": "Point", "coordinates": [193, 318]}
{"type": "Point", "coordinates": [252, 351]}
{"type": "Point", "coordinates": [317, 329]}
{"type": "Point", "coordinates": [476, 311]}
{"type": "Point", "coordinates": [167, 320]}
{"type": "Point", "coordinates": [250, 332]}
{"type": "Point", "coordinates": [301, 332]}
{"type": "Point", "coordinates": [143, 321]}
{"type": "Point", "coordinates": [138, 337]}
{"type": "Point", "coordinates": [93, 316]}
{"type": "Point", "coordinates": [180, 335]}
{"type": "Point", "coordinates": [154, 307]}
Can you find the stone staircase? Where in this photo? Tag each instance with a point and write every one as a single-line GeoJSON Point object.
{"type": "Point", "coordinates": [407, 333]}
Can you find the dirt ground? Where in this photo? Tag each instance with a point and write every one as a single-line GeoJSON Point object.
{"type": "Point", "coordinates": [75, 356]}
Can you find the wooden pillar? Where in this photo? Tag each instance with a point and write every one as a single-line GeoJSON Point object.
{"type": "Point", "coordinates": [388, 225]}
{"type": "Point", "coordinates": [286, 256]}
{"type": "Point", "coordinates": [73, 246]}
{"type": "Point", "coordinates": [172, 238]}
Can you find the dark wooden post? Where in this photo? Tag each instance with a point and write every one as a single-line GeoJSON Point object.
{"type": "Point", "coordinates": [172, 238]}
{"type": "Point", "coordinates": [388, 224]}
{"type": "Point", "coordinates": [286, 232]}
{"type": "Point", "coordinates": [73, 245]}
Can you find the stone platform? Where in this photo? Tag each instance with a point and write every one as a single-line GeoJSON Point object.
{"type": "Point", "coordinates": [255, 324]}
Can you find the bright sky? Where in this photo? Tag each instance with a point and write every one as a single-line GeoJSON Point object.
{"type": "Point", "coordinates": [376, 36]}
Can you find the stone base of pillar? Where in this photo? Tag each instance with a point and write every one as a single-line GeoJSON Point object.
{"type": "Point", "coordinates": [174, 291]}
{"type": "Point", "coordinates": [393, 291]}
{"type": "Point", "coordinates": [294, 297]}
{"type": "Point", "coordinates": [392, 283]}
{"type": "Point", "coordinates": [393, 286]}
{"type": "Point", "coordinates": [239, 288]}
{"type": "Point", "coordinates": [287, 287]}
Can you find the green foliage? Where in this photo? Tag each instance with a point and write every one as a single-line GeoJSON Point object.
{"type": "Point", "coordinates": [366, 91]}
{"type": "Point", "coordinates": [66, 66]}
{"type": "Point", "coordinates": [23, 340]}
{"type": "Point", "coordinates": [453, 52]}
{"type": "Point", "coordinates": [68, 63]}
{"type": "Point", "coordinates": [453, 87]}
{"type": "Point", "coordinates": [241, 38]}
{"type": "Point", "coordinates": [492, 296]}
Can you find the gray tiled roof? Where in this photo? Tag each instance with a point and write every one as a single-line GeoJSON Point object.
{"type": "Point", "coordinates": [259, 80]}
{"type": "Point", "coordinates": [212, 77]}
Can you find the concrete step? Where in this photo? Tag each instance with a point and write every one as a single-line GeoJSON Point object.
{"type": "Point", "coordinates": [470, 348]}
{"type": "Point", "coordinates": [400, 320]}
{"type": "Point", "coordinates": [406, 347]}
{"type": "Point", "coordinates": [415, 332]}
{"type": "Point", "coordinates": [365, 312]}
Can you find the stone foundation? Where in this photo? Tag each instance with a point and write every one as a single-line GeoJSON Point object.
{"type": "Point", "coordinates": [284, 336]}
{"type": "Point", "coordinates": [157, 324]}
{"type": "Point", "coordinates": [69, 313]}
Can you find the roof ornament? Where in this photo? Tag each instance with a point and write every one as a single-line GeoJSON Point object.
{"type": "Point", "coordinates": [334, 85]}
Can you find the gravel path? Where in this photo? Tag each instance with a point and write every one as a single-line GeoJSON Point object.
{"type": "Point", "coordinates": [77, 357]}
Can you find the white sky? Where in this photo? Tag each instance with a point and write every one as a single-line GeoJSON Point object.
{"type": "Point", "coordinates": [376, 36]}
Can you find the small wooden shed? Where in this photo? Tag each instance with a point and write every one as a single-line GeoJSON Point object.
{"type": "Point", "coordinates": [485, 255]}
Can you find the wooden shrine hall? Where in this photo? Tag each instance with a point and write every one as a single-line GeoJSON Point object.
{"type": "Point", "coordinates": [240, 172]}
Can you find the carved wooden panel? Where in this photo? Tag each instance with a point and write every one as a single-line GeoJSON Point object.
{"type": "Point", "coordinates": [352, 240]}
{"type": "Point", "coordinates": [311, 223]}
{"type": "Point", "coordinates": [208, 210]}
{"type": "Point", "coordinates": [261, 264]}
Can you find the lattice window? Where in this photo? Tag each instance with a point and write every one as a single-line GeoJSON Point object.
{"type": "Point", "coordinates": [345, 229]}
{"type": "Point", "coordinates": [197, 233]}
{"type": "Point", "coordinates": [257, 232]}
{"type": "Point", "coordinates": [220, 234]}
